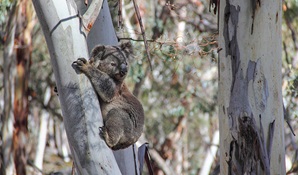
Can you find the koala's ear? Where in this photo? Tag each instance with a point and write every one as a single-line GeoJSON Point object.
{"type": "Point", "coordinates": [97, 50]}
{"type": "Point", "coordinates": [126, 48]}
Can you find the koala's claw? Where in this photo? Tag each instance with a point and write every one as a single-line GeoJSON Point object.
{"type": "Point", "coordinates": [80, 64]}
{"type": "Point", "coordinates": [82, 60]}
{"type": "Point", "coordinates": [101, 131]}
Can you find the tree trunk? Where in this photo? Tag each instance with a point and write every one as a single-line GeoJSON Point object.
{"type": "Point", "coordinates": [250, 95]}
{"type": "Point", "coordinates": [42, 137]}
{"type": "Point", "coordinates": [65, 31]}
{"type": "Point", "coordinates": [7, 166]}
{"type": "Point", "coordinates": [25, 23]}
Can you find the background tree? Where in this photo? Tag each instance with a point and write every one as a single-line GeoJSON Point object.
{"type": "Point", "coordinates": [16, 72]}
{"type": "Point", "coordinates": [250, 93]}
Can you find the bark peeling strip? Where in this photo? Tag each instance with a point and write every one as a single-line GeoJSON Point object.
{"type": "Point", "coordinates": [231, 46]}
{"type": "Point", "coordinates": [248, 146]}
{"type": "Point", "coordinates": [254, 5]}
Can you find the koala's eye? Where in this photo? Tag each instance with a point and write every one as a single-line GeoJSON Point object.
{"type": "Point", "coordinates": [113, 64]}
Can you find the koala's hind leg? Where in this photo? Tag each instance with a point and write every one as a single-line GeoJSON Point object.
{"type": "Point", "coordinates": [113, 129]}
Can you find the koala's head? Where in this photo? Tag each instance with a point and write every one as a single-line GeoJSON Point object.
{"type": "Point", "coordinates": [112, 60]}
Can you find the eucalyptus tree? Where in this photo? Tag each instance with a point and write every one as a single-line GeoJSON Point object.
{"type": "Point", "coordinates": [250, 94]}
{"type": "Point", "coordinates": [72, 29]}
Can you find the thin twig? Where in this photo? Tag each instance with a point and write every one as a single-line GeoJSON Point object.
{"type": "Point", "coordinates": [137, 40]}
{"type": "Point", "coordinates": [286, 117]}
{"type": "Point", "coordinates": [120, 18]}
{"type": "Point", "coordinates": [143, 32]}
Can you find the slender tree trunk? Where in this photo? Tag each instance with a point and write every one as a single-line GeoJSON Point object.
{"type": "Point", "coordinates": [43, 130]}
{"type": "Point", "coordinates": [250, 98]}
{"type": "Point", "coordinates": [16, 75]}
{"type": "Point", "coordinates": [7, 167]}
{"type": "Point", "coordinates": [210, 154]}
{"type": "Point", "coordinates": [23, 45]}
{"type": "Point", "coordinates": [42, 136]}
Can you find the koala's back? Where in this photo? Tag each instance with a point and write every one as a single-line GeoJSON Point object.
{"type": "Point", "coordinates": [125, 112]}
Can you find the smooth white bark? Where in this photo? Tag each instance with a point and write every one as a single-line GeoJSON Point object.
{"type": "Point", "coordinates": [250, 98]}
{"type": "Point", "coordinates": [211, 155]}
{"type": "Point", "coordinates": [43, 128]}
{"type": "Point", "coordinates": [81, 111]}
{"type": "Point", "coordinates": [42, 134]}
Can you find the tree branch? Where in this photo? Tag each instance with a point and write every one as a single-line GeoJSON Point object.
{"type": "Point", "coordinates": [90, 15]}
{"type": "Point", "coordinates": [143, 32]}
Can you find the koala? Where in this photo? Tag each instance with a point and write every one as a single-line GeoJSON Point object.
{"type": "Point", "coordinates": [122, 113]}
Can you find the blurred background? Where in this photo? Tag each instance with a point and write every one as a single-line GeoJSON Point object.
{"type": "Point", "coordinates": [179, 95]}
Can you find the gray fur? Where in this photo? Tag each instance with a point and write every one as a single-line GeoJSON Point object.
{"type": "Point", "coordinates": [123, 114]}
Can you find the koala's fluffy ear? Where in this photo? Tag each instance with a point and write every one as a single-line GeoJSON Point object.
{"type": "Point", "coordinates": [96, 52]}
{"type": "Point", "coordinates": [126, 48]}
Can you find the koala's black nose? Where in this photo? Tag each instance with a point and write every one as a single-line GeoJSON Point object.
{"type": "Point", "coordinates": [123, 69]}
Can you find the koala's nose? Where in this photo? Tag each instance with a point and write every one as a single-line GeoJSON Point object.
{"type": "Point", "coordinates": [123, 69]}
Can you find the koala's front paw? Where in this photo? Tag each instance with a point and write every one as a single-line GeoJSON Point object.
{"type": "Point", "coordinates": [81, 64]}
